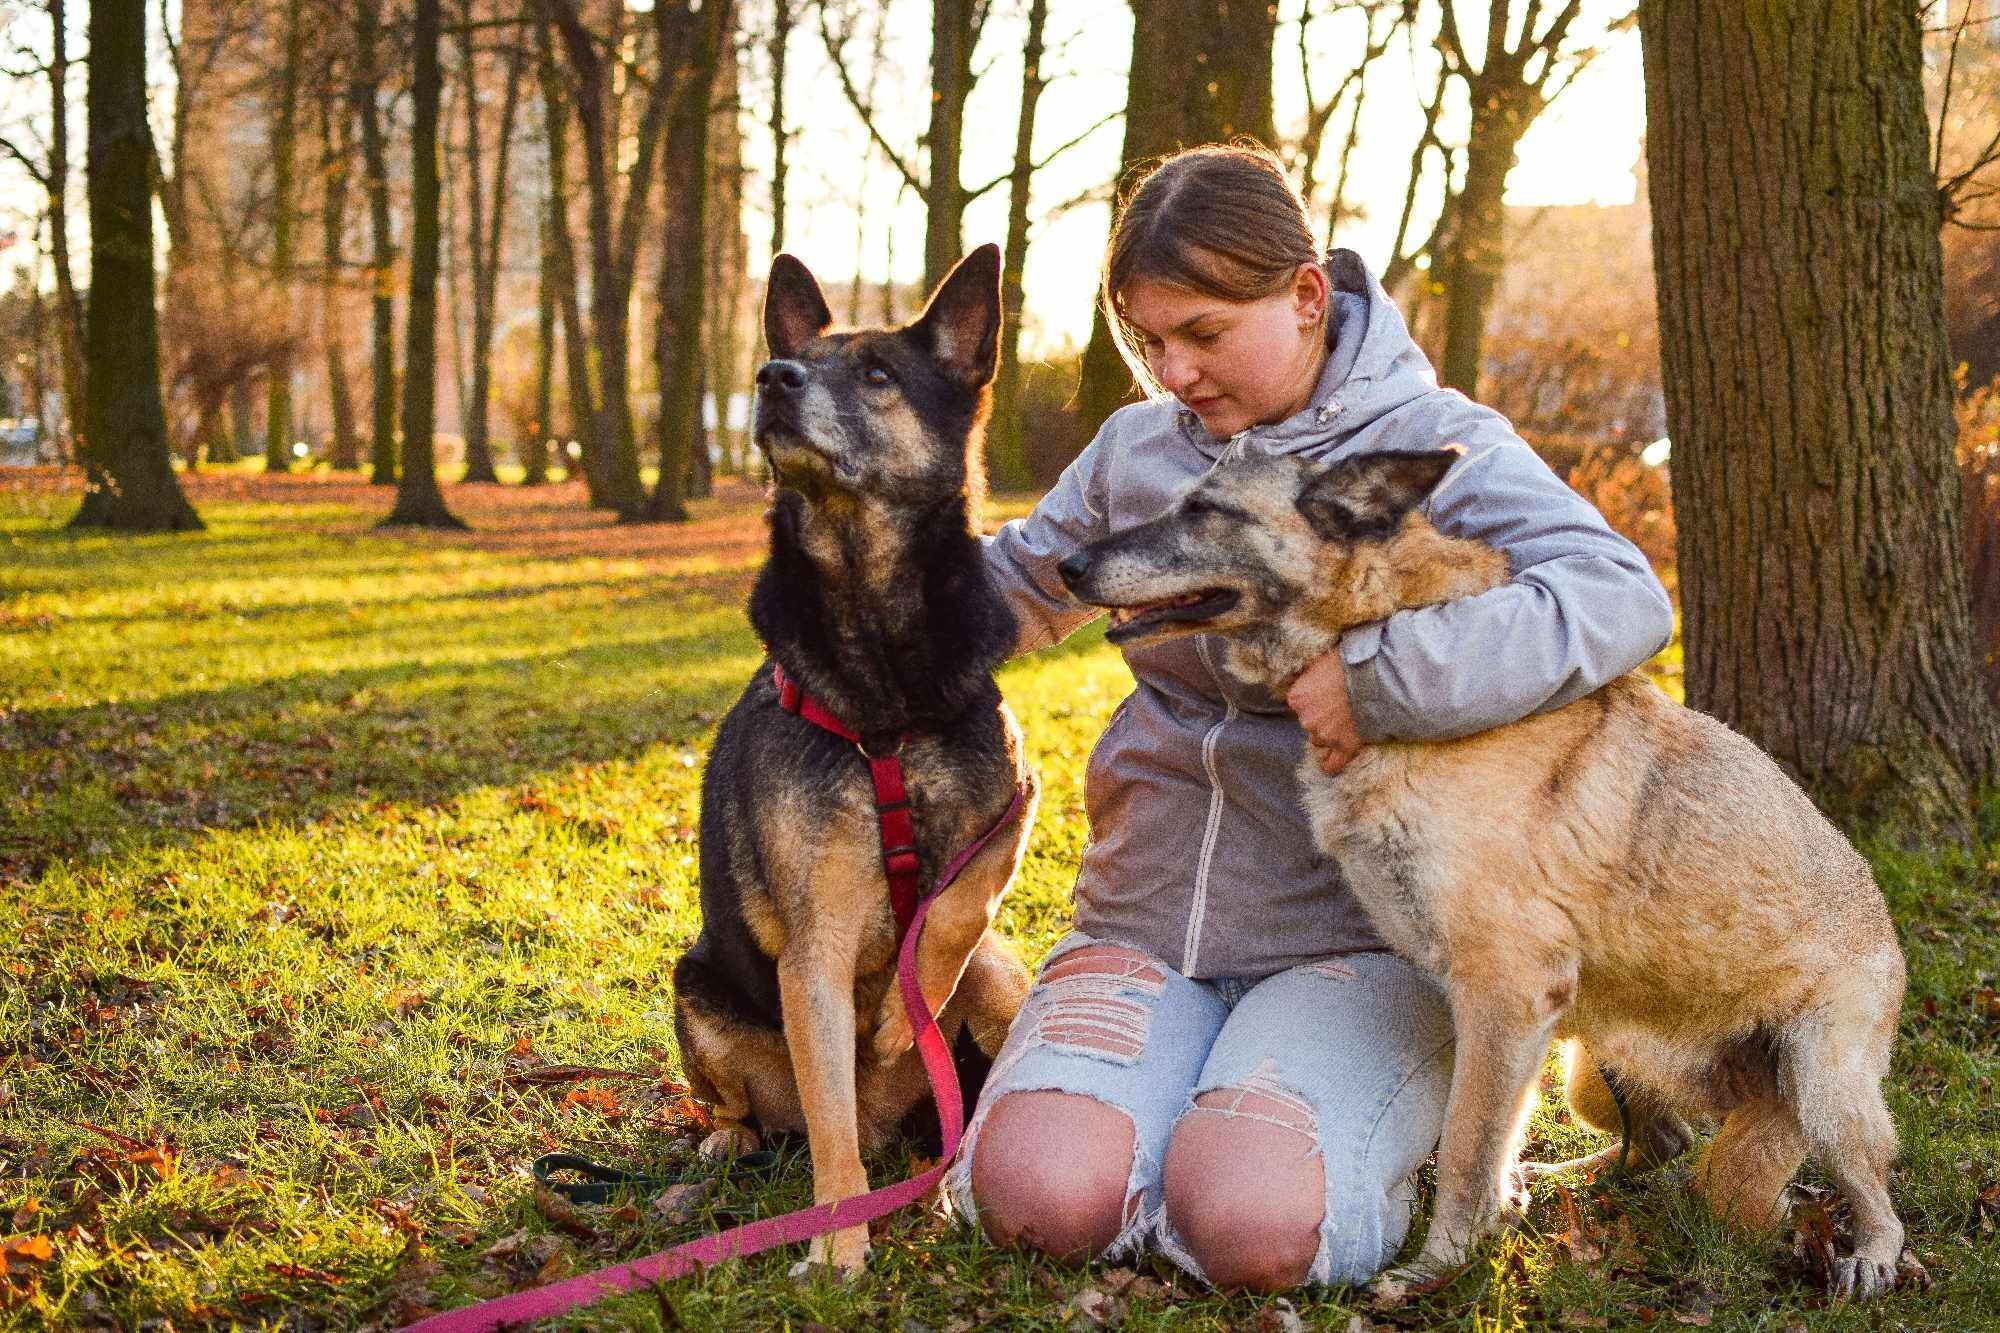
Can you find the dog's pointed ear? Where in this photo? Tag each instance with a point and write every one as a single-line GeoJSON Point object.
{"type": "Point", "coordinates": [961, 325]}
{"type": "Point", "coordinates": [794, 311]}
{"type": "Point", "coordinates": [1365, 498]}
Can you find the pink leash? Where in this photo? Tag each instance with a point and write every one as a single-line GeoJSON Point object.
{"type": "Point", "coordinates": [786, 1229]}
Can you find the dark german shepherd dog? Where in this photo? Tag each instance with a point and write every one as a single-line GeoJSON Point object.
{"type": "Point", "coordinates": [876, 601]}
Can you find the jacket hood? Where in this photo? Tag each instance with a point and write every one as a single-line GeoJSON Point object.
{"type": "Point", "coordinates": [1373, 368]}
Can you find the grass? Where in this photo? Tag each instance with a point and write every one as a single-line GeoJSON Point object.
{"type": "Point", "coordinates": [325, 849]}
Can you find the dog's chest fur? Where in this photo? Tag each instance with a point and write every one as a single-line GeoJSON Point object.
{"type": "Point", "coordinates": [1366, 818]}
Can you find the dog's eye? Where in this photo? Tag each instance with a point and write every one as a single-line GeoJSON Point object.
{"type": "Point", "coordinates": [878, 375]}
{"type": "Point", "coordinates": [1194, 507]}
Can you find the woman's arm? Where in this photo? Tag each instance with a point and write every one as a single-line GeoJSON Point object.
{"type": "Point", "coordinates": [1583, 608]}
{"type": "Point", "coordinates": [1023, 555]}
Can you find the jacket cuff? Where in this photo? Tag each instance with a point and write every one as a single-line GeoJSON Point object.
{"type": "Point", "coordinates": [1367, 703]}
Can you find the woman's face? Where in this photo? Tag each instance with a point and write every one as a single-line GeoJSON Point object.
{"type": "Point", "coordinates": [1235, 364]}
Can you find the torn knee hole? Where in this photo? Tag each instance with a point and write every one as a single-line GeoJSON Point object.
{"type": "Point", "coordinates": [1085, 1001]}
{"type": "Point", "coordinates": [1261, 1097]}
{"type": "Point", "coordinates": [1107, 960]}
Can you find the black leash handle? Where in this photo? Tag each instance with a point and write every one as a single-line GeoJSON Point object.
{"type": "Point", "coordinates": [601, 1183]}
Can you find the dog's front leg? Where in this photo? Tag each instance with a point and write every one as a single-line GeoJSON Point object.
{"type": "Point", "coordinates": [819, 1033]}
{"type": "Point", "coordinates": [1501, 1035]}
{"type": "Point", "coordinates": [952, 931]}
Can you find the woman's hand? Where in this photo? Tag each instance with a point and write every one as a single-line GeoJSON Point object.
{"type": "Point", "coordinates": [1319, 697]}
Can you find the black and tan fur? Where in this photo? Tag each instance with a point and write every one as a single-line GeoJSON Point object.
{"type": "Point", "coordinates": [1621, 873]}
{"type": "Point", "coordinates": [876, 598]}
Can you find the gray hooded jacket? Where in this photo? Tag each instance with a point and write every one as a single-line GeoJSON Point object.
{"type": "Point", "coordinates": [1199, 850]}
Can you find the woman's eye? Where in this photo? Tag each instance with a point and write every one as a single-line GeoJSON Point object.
{"type": "Point", "coordinates": [878, 375]}
{"type": "Point", "coordinates": [1207, 339]}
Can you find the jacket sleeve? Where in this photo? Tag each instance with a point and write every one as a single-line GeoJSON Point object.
{"type": "Point", "coordinates": [1023, 555]}
{"type": "Point", "coordinates": [1583, 608]}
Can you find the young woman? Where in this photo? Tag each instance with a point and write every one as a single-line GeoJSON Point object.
{"type": "Point", "coordinates": [1221, 1061]}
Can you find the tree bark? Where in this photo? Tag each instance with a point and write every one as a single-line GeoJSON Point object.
{"type": "Point", "coordinates": [382, 278]}
{"type": "Point", "coordinates": [1476, 250]}
{"type": "Point", "coordinates": [419, 503]}
{"type": "Point", "coordinates": [1006, 459]}
{"type": "Point", "coordinates": [610, 256]}
{"type": "Point", "coordinates": [1808, 389]}
{"type": "Point", "coordinates": [728, 252]}
{"type": "Point", "coordinates": [701, 35]}
{"type": "Point", "coordinates": [131, 484]}
{"type": "Point", "coordinates": [69, 308]}
{"type": "Point", "coordinates": [562, 257]}
{"type": "Point", "coordinates": [487, 239]}
{"type": "Point", "coordinates": [1167, 108]}
{"type": "Point", "coordinates": [535, 449]}
{"type": "Point", "coordinates": [954, 31]}
{"type": "Point", "coordinates": [781, 38]}
{"type": "Point", "coordinates": [337, 150]}
{"type": "Point", "coordinates": [284, 215]}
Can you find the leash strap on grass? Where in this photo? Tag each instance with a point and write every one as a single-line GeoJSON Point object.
{"type": "Point", "coordinates": [601, 1183]}
{"type": "Point", "coordinates": [789, 1228]}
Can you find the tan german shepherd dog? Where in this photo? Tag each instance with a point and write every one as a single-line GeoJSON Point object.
{"type": "Point", "coordinates": [1621, 873]}
{"type": "Point", "coordinates": [876, 600]}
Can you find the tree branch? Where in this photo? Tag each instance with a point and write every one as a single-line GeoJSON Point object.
{"type": "Point", "coordinates": [861, 108]}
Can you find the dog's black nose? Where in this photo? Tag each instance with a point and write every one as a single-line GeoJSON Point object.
{"type": "Point", "coordinates": [783, 376]}
{"type": "Point", "coordinates": [1074, 566]}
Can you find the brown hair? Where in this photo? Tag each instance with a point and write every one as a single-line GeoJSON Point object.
{"type": "Point", "coordinates": [1221, 220]}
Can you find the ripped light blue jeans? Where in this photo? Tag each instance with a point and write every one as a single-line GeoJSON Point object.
{"type": "Point", "coordinates": [1359, 1046]}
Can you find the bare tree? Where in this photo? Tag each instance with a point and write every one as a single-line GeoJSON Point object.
{"type": "Point", "coordinates": [691, 42]}
{"type": "Point", "coordinates": [131, 482]}
{"type": "Point", "coordinates": [284, 218]}
{"type": "Point", "coordinates": [336, 161]}
{"type": "Point", "coordinates": [419, 503]}
{"type": "Point", "coordinates": [486, 234]}
{"type": "Point", "coordinates": [1006, 461]}
{"type": "Point", "coordinates": [614, 240]}
{"type": "Point", "coordinates": [560, 252]}
{"type": "Point", "coordinates": [365, 92]}
{"type": "Point", "coordinates": [1506, 90]}
{"type": "Point", "coordinates": [49, 168]}
{"type": "Point", "coordinates": [1165, 110]}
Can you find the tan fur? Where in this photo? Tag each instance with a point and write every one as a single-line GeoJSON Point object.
{"type": "Point", "coordinates": [1621, 873]}
{"type": "Point", "coordinates": [847, 1083]}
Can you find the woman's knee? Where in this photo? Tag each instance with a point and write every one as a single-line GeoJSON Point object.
{"type": "Point", "coordinates": [1245, 1188]}
{"type": "Point", "coordinates": [1051, 1172]}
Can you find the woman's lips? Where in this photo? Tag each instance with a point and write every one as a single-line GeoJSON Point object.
{"type": "Point", "coordinates": [1202, 404]}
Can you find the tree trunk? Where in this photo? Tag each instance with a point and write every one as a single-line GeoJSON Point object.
{"type": "Point", "coordinates": [610, 323]}
{"type": "Point", "coordinates": [337, 150]}
{"type": "Point", "coordinates": [781, 37]}
{"type": "Point", "coordinates": [131, 484]}
{"type": "Point", "coordinates": [562, 256]}
{"type": "Point", "coordinates": [702, 36]}
{"type": "Point", "coordinates": [1476, 245]}
{"type": "Point", "coordinates": [382, 280]}
{"type": "Point", "coordinates": [419, 503]}
{"type": "Point", "coordinates": [69, 309]}
{"type": "Point", "coordinates": [728, 253]}
{"type": "Point", "coordinates": [535, 448]}
{"type": "Point", "coordinates": [1006, 458]}
{"type": "Point", "coordinates": [487, 239]}
{"type": "Point", "coordinates": [284, 213]}
{"type": "Point", "coordinates": [1802, 343]}
{"type": "Point", "coordinates": [1229, 42]}
{"type": "Point", "coordinates": [954, 30]}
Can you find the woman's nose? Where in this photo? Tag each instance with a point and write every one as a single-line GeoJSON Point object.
{"type": "Point", "coordinates": [1178, 371]}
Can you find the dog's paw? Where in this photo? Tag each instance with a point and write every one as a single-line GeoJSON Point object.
{"type": "Point", "coordinates": [729, 1141]}
{"type": "Point", "coordinates": [1858, 1279]}
{"type": "Point", "coordinates": [842, 1254]}
{"type": "Point", "coordinates": [892, 1030]}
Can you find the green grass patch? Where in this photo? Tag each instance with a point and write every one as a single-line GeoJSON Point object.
{"type": "Point", "coordinates": [319, 843]}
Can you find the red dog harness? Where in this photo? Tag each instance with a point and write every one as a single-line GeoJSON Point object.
{"type": "Point", "coordinates": [899, 860]}
{"type": "Point", "coordinates": [892, 797]}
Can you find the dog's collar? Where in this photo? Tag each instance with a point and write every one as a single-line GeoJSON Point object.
{"type": "Point", "coordinates": [893, 819]}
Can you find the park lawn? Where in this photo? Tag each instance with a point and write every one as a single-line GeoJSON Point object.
{"type": "Point", "coordinates": [324, 850]}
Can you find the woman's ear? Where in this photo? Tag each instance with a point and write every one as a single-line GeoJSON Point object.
{"type": "Point", "coordinates": [1310, 295]}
